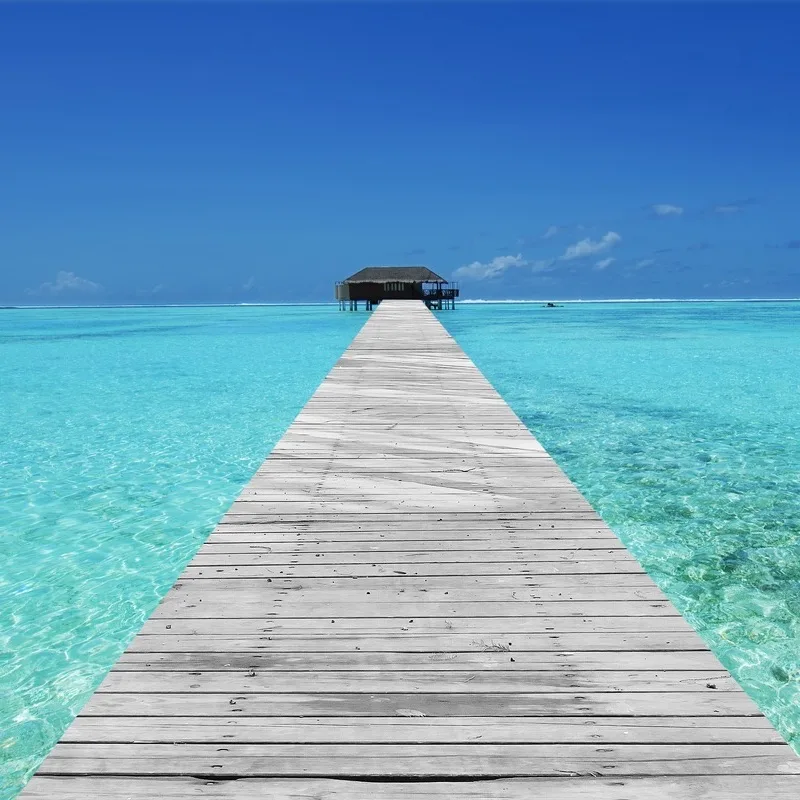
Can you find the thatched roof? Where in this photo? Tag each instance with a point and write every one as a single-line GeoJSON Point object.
{"type": "Point", "coordinates": [403, 274]}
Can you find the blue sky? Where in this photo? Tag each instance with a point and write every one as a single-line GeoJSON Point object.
{"type": "Point", "coordinates": [258, 151]}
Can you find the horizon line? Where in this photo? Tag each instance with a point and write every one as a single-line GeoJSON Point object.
{"type": "Point", "coordinates": [466, 301]}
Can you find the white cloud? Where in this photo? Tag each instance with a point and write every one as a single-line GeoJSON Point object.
{"type": "Point", "coordinates": [67, 282]}
{"type": "Point", "coordinates": [602, 264]}
{"type": "Point", "coordinates": [727, 209]}
{"type": "Point", "coordinates": [587, 247]}
{"type": "Point", "coordinates": [645, 262]}
{"type": "Point", "coordinates": [551, 232]}
{"type": "Point", "coordinates": [249, 283]}
{"type": "Point", "coordinates": [666, 210]}
{"type": "Point", "coordinates": [490, 269]}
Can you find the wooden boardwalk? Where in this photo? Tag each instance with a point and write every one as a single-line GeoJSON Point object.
{"type": "Point", "coordinates": [411, 600]}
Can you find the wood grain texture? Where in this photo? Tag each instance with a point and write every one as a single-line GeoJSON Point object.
{"type": "Point", "coordinates": [738, 787]}
{"type": "Point", "coordinates": [418, 761]}
{"type": "Point", "coordinates": [420, 730]}
{"type": "Point", "coordinates": [409, 592]}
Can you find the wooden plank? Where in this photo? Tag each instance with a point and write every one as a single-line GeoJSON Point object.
{"type": "Point", "coordinates": [410, 681]}
{"type": "Point", "coordinates": [388, 585]}
{"type": "Point", "coordinates": [562, 704]}
{"type": "Point", "coordinates": [413, 587]}
{"type": "Point", "coordinates": [348, 592]}
{"type": "Point", "coordinates": [449, 626]}
{"type": "Point", "coordinates": [254, 542]}
{"type": "Point", "coordinates": [418, 730]}
{"type": "Point", "coordinates": [464, 662]}
{"type": "Point", "coordinates": [561, 567]}
{"type": "Point", "coordinates": [402, 541]}
{"type": "Point", "coordinates": [575, 787]}
{"type": "Point", "coordinates": [479, 642]}
{"type": "Point", "coordinates": [430, 585]}
{"type": "Point", "coordinates": [323, 512]}
{"type": "Point", "coordinates": [418, 761]}
{"type": "Point", "coordinates": [509, 586]}
{"type": "Point", "coordinates": [324, 507]}
{"type": "Point", "coordinates": [215, 605]}
{"type": "Point", "coordinates": [209, 557]}
{"type": "Point", "coordinates": [389, 528]}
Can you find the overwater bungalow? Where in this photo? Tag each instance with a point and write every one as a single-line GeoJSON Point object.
{"type": "Point", "coordinates": [373, 284]}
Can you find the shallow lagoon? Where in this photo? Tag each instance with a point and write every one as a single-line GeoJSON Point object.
{"type": "Point", "coordinates": [680, 422]}
{"type": "Point", "coordinates": [126, 433]}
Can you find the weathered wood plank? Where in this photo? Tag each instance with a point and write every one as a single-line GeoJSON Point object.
{"type": "Point", "coordinates": [534, 568]}
{"type": "Point", "coordinates": [343, 641]}
{"type": "Point", "coordinates": [396, 526]}
{"type": "Point", "coordinates": [418, 730]}
{"type": "Point", "coordinates": [413, 761]}
{"type": "Point", "coordinates": [465, 662]}
{"type": "Point", "coordinates": [510, 586]}
{"type": "Point", "coordinates": [410, 681]}
{"type": "Point", "coordinates": [215, 605]}
{"type": "Point", "coordinates": [475, 547]}
{"type": "Point", "coordinates": [495, 626]}
{"type": "Point", "coordinates": [434, 585]}
{"type": "Point", "coordinates": [255, 592]}
{"type": "Point", "coordinates": [212, 557]}
{"type": "Point", "coordinates": [738, 787]}
{"type": "Point", "coordinates": [322, 512]}
{"type": "Point", "coordinates": [579, 704]}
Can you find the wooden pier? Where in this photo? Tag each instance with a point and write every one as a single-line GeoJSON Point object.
{"type": "Point", "coordinates": [411, 600]}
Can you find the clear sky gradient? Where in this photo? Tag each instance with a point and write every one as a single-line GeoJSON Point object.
{"type": "Point", "coordinates": [256, 152]}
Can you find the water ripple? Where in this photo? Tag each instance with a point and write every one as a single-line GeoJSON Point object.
{"type": "Point", "coordinates": [124, 435]}
{"type": "Point", "coordinates": [681, 425]}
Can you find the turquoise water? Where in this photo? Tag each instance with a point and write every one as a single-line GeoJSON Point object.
{"type": "Point", "coordinates": [124, 436]}
{"type": "Point", "coordinates": [126, 433]}
{"type": "Point", "coordinates": [680, 422]}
